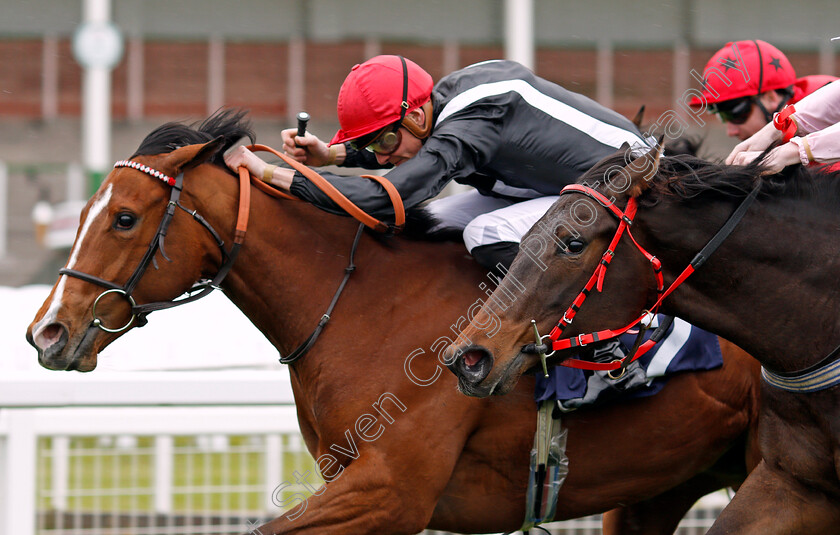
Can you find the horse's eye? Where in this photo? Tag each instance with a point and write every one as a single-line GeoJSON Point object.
{"type": "Point", "coordinates": [124, 221]}
{"type": "Point", "coordinates": [575, 246]}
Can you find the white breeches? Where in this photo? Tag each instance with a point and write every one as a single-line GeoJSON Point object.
{"type": "Point", "coordinates": [485, 220]}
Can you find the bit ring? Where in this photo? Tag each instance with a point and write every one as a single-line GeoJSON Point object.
{"type": "Point", "coordinates": [98, 322]}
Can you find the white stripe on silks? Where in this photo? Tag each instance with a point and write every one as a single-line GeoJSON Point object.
{"type": "Point", "coordinates": [669, 348]}
{"type": "Point", "coordinates": [605, 133]}
{"type": "Point", "coordinates": [485, 62]}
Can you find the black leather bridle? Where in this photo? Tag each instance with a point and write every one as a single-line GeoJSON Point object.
{"type": "Point", "coordinates": [197, 291]}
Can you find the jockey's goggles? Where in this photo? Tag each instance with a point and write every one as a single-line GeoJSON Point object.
{"type": "Point", "coordinates": [735, 111]}
{"type": "Point", "coordinates": [383, 142]}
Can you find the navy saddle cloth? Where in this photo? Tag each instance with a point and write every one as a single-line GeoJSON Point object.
{"type": "Point", "coordinates": [683, 348]}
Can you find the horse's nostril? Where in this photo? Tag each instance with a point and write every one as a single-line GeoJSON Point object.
{"type": "Point", "coordinates": [472, 358]}
{"type": "Point", "coordinates": [474, 365]}
{"type": "Point", "coordinates": [49, 335]}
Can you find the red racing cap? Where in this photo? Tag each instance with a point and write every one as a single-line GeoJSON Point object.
{"type": "Point", "coordinates": [763, 65]}
{"type": "Point", "coordinates": [371, 96]}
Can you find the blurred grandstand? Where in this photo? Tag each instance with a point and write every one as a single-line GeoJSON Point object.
{"type": "Point", "coordinates": [184, 59]}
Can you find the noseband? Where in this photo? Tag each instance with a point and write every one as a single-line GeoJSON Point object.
{"type": "Point", "coordinates": [199, 289]}
{"type": "Point", "coordinates": [625, 219]}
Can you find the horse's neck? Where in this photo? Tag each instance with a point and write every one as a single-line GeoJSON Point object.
{"type": "Point", "coordinates": [289, 267]}
{"type": "Point", "coordinates": [294, 259]}
{"type": "Point", "coordinates": [767, 275]}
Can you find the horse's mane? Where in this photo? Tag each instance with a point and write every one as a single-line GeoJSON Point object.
{"type": "Point", "coordinates": [683, 145]}
{"type": "Point", "coordinates": [420, 225]}
{"type": "Point", "coordinates": [685, 176]}
{"type": "Point", "coordinates": [231, 124]}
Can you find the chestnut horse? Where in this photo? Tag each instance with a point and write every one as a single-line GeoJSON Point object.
{"type": "Point", "coordinates": [400, 448]}
{"type": "Point", "coordinates": [777, 298]}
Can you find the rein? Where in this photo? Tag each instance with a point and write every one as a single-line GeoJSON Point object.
{"type": "Point", "coordinates": [336, 196]}
{"type": "Point", "coordinates": [596, 281]}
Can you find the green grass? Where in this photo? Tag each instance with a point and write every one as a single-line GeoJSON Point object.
{"type": "Point", "coordinates": [105, 477]}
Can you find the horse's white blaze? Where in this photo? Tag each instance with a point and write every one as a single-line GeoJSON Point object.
{"type": "Point", "coordinates": [96, 209]}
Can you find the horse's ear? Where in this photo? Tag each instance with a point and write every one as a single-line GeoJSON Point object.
{"type": "Point", "coordinates": [642, 170]}
{"type": "Point", "coordinates": [637, 120]}
{"type": "Point", "coordinates": [190, 156]}
{"type": "Point", "coordinates": [205, 153]}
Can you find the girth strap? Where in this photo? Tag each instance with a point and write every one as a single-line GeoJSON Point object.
{"type": "Point", "coordinates": [822, 375]}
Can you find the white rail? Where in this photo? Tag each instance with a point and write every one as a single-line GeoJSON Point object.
{"type": "Point", "coordinates": [4, 210]}
{"type": "Point", "coordinates": [55, 426]}
{"type": "Point", "coordinates": [159, 404]}
{"type": "Point", "coordinates": [120, 407]}
{"type": "Point", "coordinates": [145, 389]}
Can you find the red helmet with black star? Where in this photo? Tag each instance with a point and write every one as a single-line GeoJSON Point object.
{"type": "Point", "coordinates": [751, 67]}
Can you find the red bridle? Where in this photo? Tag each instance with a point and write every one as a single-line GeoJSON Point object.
{"type": "Point", "coordinates": [625, 221]}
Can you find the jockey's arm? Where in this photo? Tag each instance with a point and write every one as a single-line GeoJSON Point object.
{"type": "Point", "coordinates": [817, 118]}
{"type": "Point", "coordinates": [819, 110]}
{"type": "Point", "coordinates": [454, 151]}
{"type": "Point", "coordinates": [278, 176]}
{"type": "Point", "coordinates": [822, 146]}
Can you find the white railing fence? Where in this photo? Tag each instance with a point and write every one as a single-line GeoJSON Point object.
{"type": "Point", "coordinates": [132, 450]}
{"type": "Point", "coordinates": [187, 453]}
{"type": "Point", "coordinates": [4, 210]}
{"type": "Point", "coordinates": [158, 459]}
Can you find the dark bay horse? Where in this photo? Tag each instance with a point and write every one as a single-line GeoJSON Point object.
{"type": "Point", "coordinates": [400, 447]}
{"type": "Point", "coordinates": [770, 287]}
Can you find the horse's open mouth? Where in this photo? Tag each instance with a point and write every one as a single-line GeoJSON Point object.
{"type": "Point", "coordinates": [475, 391]}
{"type": "Point", "coordinates": [494, 385]}
{"type": "Point", "coordinates": [509, 376]}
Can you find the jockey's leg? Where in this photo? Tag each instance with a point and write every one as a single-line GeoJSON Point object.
{"type": "Point", "coordinates": [493, 237]}
{"type": "Point", "coordinates": [456, 211]}
{"type": "Point", "coordinates": [491, 255]}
